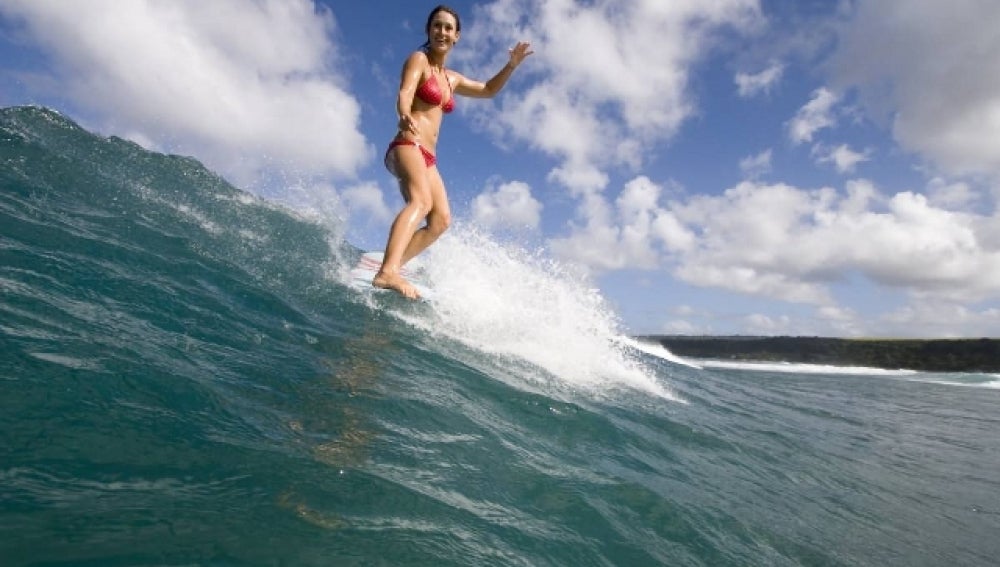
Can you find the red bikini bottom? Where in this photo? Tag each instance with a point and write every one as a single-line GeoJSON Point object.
{"type": "Point", "coordinates": [390, 157]}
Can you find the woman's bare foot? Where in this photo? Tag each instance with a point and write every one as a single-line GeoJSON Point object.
{"type": "Point", "coordinates": [396, 282]}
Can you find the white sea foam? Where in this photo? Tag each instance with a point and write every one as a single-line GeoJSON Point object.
{"type": "Point", "coordinates": [659, 351]}
{"type": "Point", "coordinates": [800, 368]}
{"type": "Point", "coordinates": [509, 302]}
{"type": "Point", "coordinates": [965, 380]}
{"type": "Point", "coordinates": [962, 380]}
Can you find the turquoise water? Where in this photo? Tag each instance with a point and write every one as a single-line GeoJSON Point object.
{"type": "Point", "coordinates": [186, 381]}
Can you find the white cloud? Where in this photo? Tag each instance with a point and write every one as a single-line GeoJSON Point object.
{"type": "Point", "coordinates": [607, 78]}
{"type": "Point", "coordinates": [815, 115]}
{"type": "Point", "coordinates": [581, 178]}
{"type": "Point", "coordinates": [759, 324]}
{"type": "Point", "coordinates": [366, 200]}
{"type": "Point", "coordinates": [510, 205]}
{"type": "Point", "coordinates": [789, 244]}
{"type": "Point", "coordinates": [951, 195]}
{"type": "Point", "coordinates": [750, 85]}
{"type": "Point", "coordinates": [941, 319]}
{"type": "Point", "coordinates": [241, 85]}
{"type": "Point", "coordinates": [843, 320]}
{"type": "Point", "coordinates": [842, 157]}
{"type": "Point", "coordinates": [635, 231]}
{"type": "Point", "coordinates": [681, 327]}
{"type": "Point", "coordinates": [762, 281]}
{"type": "Point", "coordinates": [753, 167]}
{"type": "Point", "coordinates": [838, 314]}
{"type": "Point", "coordinates": [931, 68]}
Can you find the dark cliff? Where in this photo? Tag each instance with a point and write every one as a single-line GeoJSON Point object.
{"type": "Point", "coordinates": [932, 355]}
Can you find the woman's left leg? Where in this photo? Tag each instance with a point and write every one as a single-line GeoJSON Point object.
{"type": "Point", "coordinates": [414, 183]}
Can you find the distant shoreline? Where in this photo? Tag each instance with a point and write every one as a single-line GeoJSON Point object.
{"type": "Point", "coordinates": [929, 355]}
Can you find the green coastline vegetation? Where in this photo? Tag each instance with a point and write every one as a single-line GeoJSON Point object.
{"type": "Point", "coordinates": [929, 355]}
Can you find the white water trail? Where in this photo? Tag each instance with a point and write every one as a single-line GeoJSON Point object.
{"type": "Point", "coordinates": [508, 302]}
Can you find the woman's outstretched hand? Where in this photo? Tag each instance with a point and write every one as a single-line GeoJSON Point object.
{"type": "Point", "coordinates": [519, 52]}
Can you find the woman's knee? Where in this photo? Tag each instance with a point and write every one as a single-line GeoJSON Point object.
{"type": "Point", "coordinates": [423, 207]}
{"type": "Point", "coordinates": [417, 198]}
{"type": "Point", "coordinates": [438, 223]}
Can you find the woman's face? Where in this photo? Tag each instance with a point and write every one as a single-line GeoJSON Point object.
{"type": "Point", "coordinates": [442, 33]}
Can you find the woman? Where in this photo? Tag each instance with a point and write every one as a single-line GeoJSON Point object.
{"type": "Point", "coordinates": [427, 92]}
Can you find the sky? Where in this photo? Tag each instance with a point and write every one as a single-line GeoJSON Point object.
{"type": "Point", "coordinates": [754, 167]}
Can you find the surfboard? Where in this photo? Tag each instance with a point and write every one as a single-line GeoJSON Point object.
{"type": "Point", "coordinates": [364, 272]}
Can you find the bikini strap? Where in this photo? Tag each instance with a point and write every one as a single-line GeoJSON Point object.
{"type": "Point", "coordinates": [451, 90]}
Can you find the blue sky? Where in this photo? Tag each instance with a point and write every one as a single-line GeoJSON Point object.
{"type": "Point", "coordinates": [727, 167]}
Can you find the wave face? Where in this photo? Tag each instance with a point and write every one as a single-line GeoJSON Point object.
{"type": "Point", "coordinates": [186, 380]}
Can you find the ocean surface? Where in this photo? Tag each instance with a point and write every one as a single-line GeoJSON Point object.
{"type": "Point", "coordinates": [187, 380]}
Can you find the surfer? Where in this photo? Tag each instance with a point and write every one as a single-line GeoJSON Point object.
{"type": "Point", "coordinates": [427, 92]}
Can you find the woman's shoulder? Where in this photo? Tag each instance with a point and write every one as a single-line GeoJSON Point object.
{"type": "Point", "coordinates": [418, 57]}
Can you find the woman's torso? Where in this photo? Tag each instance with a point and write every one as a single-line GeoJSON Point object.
{"type": "Point", "coordinates": [430, 103]}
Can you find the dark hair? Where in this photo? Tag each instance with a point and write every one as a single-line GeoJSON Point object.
{"type": "Point", "coordinates": [430, 18]}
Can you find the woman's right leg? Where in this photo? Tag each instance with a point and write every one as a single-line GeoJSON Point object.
{"type": "Point", "coordinates": [414, 185]}
{"type": "Point", "coordinates": [438, 219]}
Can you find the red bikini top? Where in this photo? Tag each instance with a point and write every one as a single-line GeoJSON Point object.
{"type": "Point", "coordinates": [430, 92]}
